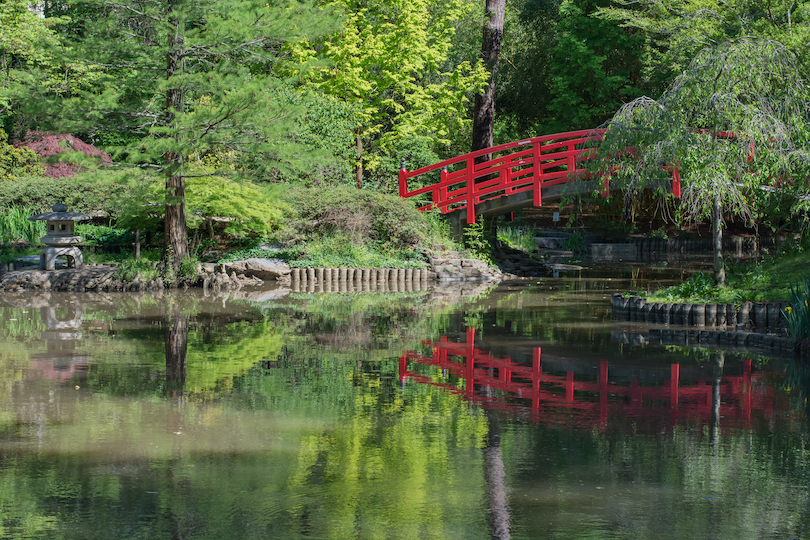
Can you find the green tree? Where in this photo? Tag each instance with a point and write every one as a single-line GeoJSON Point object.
{"type": "Point", "coordinates": [676, 31]}
{"type": "Point", "coordinates": [388, 59]}
{"type": "Point", "coordinates": [186, 78]}
{"type": "Point", "coordinates": [566, 68]}
{"type": "Point", "coordinates": [736, 120]}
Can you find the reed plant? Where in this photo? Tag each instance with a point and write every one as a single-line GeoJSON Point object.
{"type": "Point", "coordinates": [518, 237]}
{"type": "Point", "coordinates": [797, 315]}
{"type": "Point", "coordinates": [15, 225]}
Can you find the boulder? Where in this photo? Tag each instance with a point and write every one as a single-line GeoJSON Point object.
{"type": "Point", "coordinates": [264, 269]}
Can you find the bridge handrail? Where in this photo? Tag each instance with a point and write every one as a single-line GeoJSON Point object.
{"type": "Point", "coordinates": [536, 163]}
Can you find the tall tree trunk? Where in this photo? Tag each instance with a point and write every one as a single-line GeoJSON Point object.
{"type": "Point", "coordinates": [484, 115]}
{"type": "Point", "coordinates": [175, 223]}
{"type": "Point", "coordinates": [717, 241]}
{"type": "Point", "coordinates": [359, 141]}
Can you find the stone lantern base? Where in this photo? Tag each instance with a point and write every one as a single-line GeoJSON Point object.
{"type": "Point", "coordinates": [47, 259]}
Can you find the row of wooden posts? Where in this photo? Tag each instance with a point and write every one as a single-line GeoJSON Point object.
{"type": "Point", "coordinates": [761, 315]}
{"type": "Point", "coordinates": [360, 279]}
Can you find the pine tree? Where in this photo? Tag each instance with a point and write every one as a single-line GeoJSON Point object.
{"type": "Point", "coordinates": [187, 87]}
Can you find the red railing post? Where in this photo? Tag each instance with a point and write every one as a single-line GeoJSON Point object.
{"type": "Point", "coordinates": [470, 191]}
{"type": "Point", "coordinates": [603, 391]}
{"type": "Point", "coordinates": [569, 386]}
{"type": "Point", "coordinates": [605, 187]}
{"type": "Point", "coordinates": [442, 190]}
{"type": "Point", "coordinates": [536, 369]}
{"type": "Point", "coordinates": [676, 182]}
{"type": "Point", "coordinates": [538, 185]}
{"type": "Point", "coordinates": [403, 179]}
{"type": "Point", "coordinates": [403, 368]}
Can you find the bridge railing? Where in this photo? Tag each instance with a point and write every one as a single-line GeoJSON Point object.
{"type": "Point", "coordinates": [520, 166]}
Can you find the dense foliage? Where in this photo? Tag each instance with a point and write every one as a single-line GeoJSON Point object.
{"type": "Point", "coordinates": [199, 103]}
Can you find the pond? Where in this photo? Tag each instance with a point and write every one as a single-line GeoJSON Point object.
{"type": "Point", "coordinates": [517, 410]}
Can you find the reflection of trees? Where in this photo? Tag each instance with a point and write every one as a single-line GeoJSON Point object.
{"type": "Point", "coordinates": [176, 352]}
{"type": "Point", "coordinates": [717, 379]}
{"type": "Point", "coordinates": [495, 474]}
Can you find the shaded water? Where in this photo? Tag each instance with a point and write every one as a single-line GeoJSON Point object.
{"type": "Point", "coordinates": [509, 413]}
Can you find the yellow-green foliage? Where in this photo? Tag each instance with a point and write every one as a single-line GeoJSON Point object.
{"type": "Point", "coordinates": [221, 204]}
{"type": "Point", "coordinates": [16, 162]}
{"type": "Point", "coordinates": [250, 210]}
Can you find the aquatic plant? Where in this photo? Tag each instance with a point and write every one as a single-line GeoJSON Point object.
{"type": "Point", "coordinates": [575, 242]}
{"type": "Point", "coordinates": [518, 237]}
{"type": "Point", "coordinates": [15, 226]}
{"type": "Point", "coordinates": [797, 314]}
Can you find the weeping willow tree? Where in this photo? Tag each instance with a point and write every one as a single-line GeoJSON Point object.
{"type": "Point", "coordinates": [734, 126]}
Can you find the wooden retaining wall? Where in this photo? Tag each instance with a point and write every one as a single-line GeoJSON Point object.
{"type": "Point", "coordinates": [360, 279]}
{"type": "Point", "coordinates": [760, 315]}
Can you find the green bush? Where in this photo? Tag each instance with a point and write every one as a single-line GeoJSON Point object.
{"type": "Point", "coordinates": [102, 235]}
{"type": "Point", "coordinates": [96, 192]}
{"type": "Point", "coordinates": [475, 240]}
{"type": "Point", "coordinates": [383, 223]}
{"type": "Point", "coordinates": [16, 162]}
{"type": "Point", "coordinates": [216, 205]}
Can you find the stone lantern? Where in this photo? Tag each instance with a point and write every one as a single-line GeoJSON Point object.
{"type": "Point", "coordinates": [60, 237]}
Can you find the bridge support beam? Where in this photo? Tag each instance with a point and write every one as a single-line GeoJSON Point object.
{"type": "Point", "coordinates": [491, 209]}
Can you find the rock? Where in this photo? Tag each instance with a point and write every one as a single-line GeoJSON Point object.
{"type": "Point", "coordinates": [264, 269]}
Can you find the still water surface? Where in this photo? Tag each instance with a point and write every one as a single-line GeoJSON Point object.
{"type": "Point", "coordinates": [517, 411]}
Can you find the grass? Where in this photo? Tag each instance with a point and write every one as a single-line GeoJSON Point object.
{"type": "Point", "coordinates": [768, 280]}
{"type": "Point", "coordinates": [521, 238]}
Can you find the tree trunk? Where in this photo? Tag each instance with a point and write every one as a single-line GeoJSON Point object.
{"type": "Point", "coordinates": [484, 115]}
{"type": "Point", "coordinates": [175, 224]}
{"type": "Point", "coordinates": [717, 241]}
{"type": "Point", "coordinates": [359, 161]}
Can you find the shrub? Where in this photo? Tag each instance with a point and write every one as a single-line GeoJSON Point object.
{"type": "Point", "coordinates": [383, 222]}
{"type": "Point", "coordinates": [90, 193]}
{"type": "Point", "coordinates": [16, 162]}
{"type": "Point", "coordinates": [63, 154]}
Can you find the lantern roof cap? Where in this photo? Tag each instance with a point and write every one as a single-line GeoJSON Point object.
{"type": "Point", "coordinates": [59, 213]}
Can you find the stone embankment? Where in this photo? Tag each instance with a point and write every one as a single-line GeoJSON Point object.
{"type": "Point", "coordinates": [760, 315]}
{"type": "Point", "coordinates": [88, 279]}
{"type": "Point", "coordinates": [446, 266]}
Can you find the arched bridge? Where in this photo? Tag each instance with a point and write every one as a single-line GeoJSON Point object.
{"type": "Point", "coordinates": [515, 175]}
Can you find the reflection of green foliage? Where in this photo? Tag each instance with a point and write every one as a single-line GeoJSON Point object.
{"type": "Point", "coordinates": [214, 364]}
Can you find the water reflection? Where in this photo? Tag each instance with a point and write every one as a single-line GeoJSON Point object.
{"type": "Point", "coordinates": [61, 361]}
{"type": "Point", "coordinates": [514, 415]}
{"type": "Point", "coordinates": [563, 397]}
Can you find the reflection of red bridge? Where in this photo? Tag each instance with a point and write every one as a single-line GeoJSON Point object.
{"type": "Point", "coordinates": [561, 399]}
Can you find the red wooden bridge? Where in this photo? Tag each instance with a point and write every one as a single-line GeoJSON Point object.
{"type": "Point", "coordinates": [517, 174]}
{"type": "Point", "coordinates": [560, 399]}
